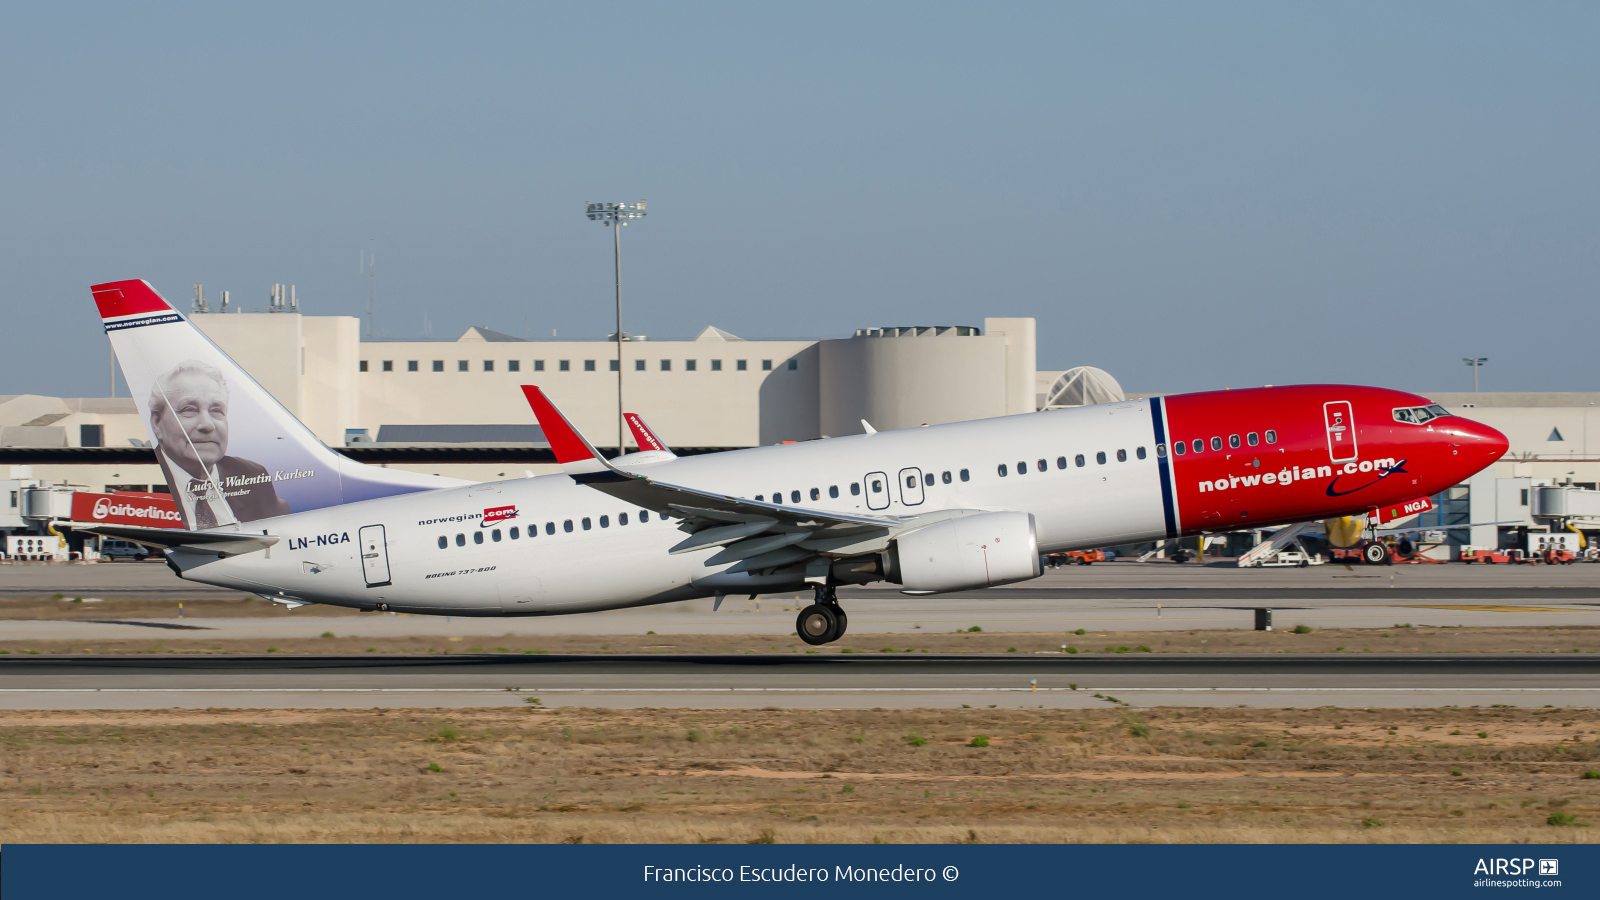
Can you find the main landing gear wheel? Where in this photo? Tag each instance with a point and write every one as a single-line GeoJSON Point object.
{"type": "Point", "coordinates": [818, 624]}
{"type": "Point", "coordinates": [823, 622]}
{"type": "Point", "coordinates": [1375, 553]}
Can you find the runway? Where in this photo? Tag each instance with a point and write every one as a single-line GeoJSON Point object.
{"type": "Point", "coordinates": [1122, 596]}
{"type": "Point", "coordinates": [823, 682]}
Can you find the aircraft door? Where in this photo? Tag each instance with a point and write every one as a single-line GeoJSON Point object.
{"type": "Point", "coordinates": [374, 555]}
{"type": "Point", "coordinates": [911, 486]}
{"type": "Point", "coordinates": [876, 485]}
{"type": "Point", "coordinates": [1341, 425]}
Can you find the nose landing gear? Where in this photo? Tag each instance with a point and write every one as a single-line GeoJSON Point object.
{"type": "Point", "coordinates": [823, 622]}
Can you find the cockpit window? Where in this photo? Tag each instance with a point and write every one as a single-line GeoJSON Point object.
{"type": "Point", "coordinates": [1417, 415]}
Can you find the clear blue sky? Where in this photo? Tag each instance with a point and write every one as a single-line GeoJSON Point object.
{"type": "Point", "coordinates": [1189, 195]}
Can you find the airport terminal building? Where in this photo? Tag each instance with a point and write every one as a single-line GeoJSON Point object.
{"type": "Point", "coordinates": [454, 407]}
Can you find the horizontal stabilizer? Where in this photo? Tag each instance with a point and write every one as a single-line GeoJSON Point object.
{"type": "Point", "coordinates": [224, 543]}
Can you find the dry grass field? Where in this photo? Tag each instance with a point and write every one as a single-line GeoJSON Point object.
{"type": "Point", "coordinates": [592, 775]}
{"type": "Point", "coordinates": [1404, 639]}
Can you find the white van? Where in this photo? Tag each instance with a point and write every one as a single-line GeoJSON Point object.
{"type": "Point", "coordinates": [112, 548]}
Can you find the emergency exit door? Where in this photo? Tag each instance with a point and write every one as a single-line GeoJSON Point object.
{"type": "Point", "coordinates": [374, 555]}
{"type": "Point", "coordinates": [1341, 425]}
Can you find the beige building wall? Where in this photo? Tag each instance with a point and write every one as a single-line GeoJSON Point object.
{"type": "Point", "coordinates": [1021, 361]}
{"type": "Point", "coordinates": [905, 381]}
{"type": "Point", "coordinates": [699, 406]}
{"type": "Point", "coordinates": [270, 347]}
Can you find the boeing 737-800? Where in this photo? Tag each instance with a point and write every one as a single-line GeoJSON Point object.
{"type": "Point", "coordinates": [269, 509]}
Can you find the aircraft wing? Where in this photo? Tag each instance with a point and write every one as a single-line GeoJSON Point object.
{"type": "Point", "coordinates": [222, 543]}
{"type": "Point", "coordinates": [754, 535]}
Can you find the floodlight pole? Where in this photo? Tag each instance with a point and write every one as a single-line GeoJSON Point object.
{"type": "Point", "coordinates": [1476, 362]}
{"type": "Point", "coordinates": [615, 216]}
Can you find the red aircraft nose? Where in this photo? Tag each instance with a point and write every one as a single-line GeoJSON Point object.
{"type": "Point", "coordinates": [1480, 445]}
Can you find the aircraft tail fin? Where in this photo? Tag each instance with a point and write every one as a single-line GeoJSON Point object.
{"type": "Point", "coordinates": [642, 435]}
{"type": "Point", "coordinates": [231, 452]}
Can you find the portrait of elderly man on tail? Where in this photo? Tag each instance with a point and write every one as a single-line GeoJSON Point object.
{"type": "Point", "coordinates": [189, 418]}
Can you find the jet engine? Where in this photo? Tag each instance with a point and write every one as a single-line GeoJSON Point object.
{"type": "Point", "coordinates": [969, 552]}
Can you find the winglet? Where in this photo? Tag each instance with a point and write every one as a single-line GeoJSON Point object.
{"type": "Point", "coordinates": [642, 435]}
{"type": "Point", "coordinates": [573, 451]}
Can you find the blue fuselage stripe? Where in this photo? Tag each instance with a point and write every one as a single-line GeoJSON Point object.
{"type": "Point", "coordinates": [1163, 463]}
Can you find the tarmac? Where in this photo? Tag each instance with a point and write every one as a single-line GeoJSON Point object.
{"type": "Point", "coordinates": [824, 682]}
{"type": "Point", "coordinates": [1120, 596]}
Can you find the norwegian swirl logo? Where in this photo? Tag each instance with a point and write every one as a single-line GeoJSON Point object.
{"type": "Point", "coordinates": [496, 514]}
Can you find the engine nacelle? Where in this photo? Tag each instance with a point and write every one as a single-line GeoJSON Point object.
{"type": "Point", "coordinates": [969, 552]}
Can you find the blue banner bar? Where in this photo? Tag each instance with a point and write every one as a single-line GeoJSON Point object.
{"type": "Point", "coordinates": [342, 872]}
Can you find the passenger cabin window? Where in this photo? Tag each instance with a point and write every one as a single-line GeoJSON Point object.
{"type": "Point", "coordinates": [443, 542]}
{"type": "Point", "coordinates": [1199, 445]}
{"type": "Point", "coordinates": [605, 521]}
{"type": "Point", "coordinates": [761, 498]}
{"type": "Point", "coordinates": [911, 481]}
{"type": "Point", "coordinates": [945, 477]}
{"type": "Point", "coordinates": [1161, 451]}
{"type": "Point", "coordinates": [1002, 470]}
{"type": "Point", "coordinates": [927, 480]}
{"type": "Point", "coordinates": [855, 489]}
{"type": "Point", "coordinates": [1139, 453]}
{"type": "Point", "coordinates": [816, 494]}
{"type": "Point", "coordinates": [1252, 439]}
{"type": "Point", "coordinates": [587, 524]}
{"type": "Point", "coordinates": [515, 533]}
{"type": "Point", "coordinates": [567, 526]}
{"type": "Point", "coordinates": [644, 516]}
{"type": "Point", "coordinates": [461, 540]}
{"type": "Point", "coordinates": [550, 527]}
{"type": "Point", "coordinates": [1233, 441]}
{"type": "Point", "coordinates": [833, 491]}
{"type": "Point", "coordinates": [965, 476]}
{"type": "Point", "coordinates": [1022, 467]}
{"type": "Point", "coordinates": [1079, 461]}
{"type": "Point", "coordinates": [622, 518]}
{"type": "Point", "coordinates": [495, 534]}
{"type": "Point", "coordinates": [1044, 466]}
{"type": "Point", "coordinates": [1122, 456]}
{"type": "Point", "coordinates": [794, 496]}
{"type": "Point", "coordinates": [477, 537]}
{"type": "Point", "coordinates": [1180, 448]}
{"type": "Point", "coordinates": [1216, 443]}
{"type": "Point", "coordinates": [1272, 436]}
{"type": "Point", "coordinates": [1061, 462]}
{"type": "Point", "coordinates": [877, 486]}
{"type": "Point", "coordinates": [1100, 458]}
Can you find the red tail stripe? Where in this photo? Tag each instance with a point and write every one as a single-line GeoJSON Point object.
{"type": "Point", "coordinates": [642, 435]}
{"type": "Point", "coordinates": [563, 438]}
{"type": "Point", "coordinates": [127, 298]}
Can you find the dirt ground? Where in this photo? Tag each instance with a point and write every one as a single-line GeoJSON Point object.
{"type": "Point", "coordinates": [801, 776]}
{"type": "Point", "coordinates": [1405, 639]}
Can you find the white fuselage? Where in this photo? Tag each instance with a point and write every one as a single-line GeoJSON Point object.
{"type": "Point", "coordinates": [573, 552]}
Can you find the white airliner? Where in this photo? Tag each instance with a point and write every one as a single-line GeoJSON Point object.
{"type": "Point", "coordinates": [269, 509]}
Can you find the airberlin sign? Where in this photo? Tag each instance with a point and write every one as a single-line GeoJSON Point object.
{"type": "Point", "coordinates": [150, 510]}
